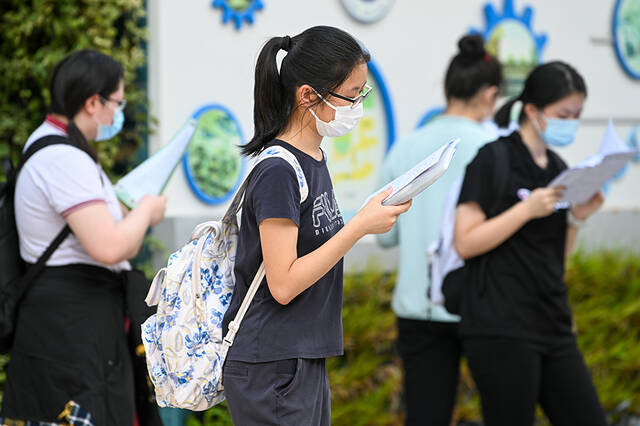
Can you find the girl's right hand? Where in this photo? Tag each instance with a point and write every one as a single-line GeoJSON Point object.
{"type": "Point", "coordinates": [156, 205]}
{"type": "Point", "coordinates": [374, 218]}
{"type": "Point", "coordinates": [542, 201]}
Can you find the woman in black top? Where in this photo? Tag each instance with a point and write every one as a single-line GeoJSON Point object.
{"type": "Point", "coordinates": [307, 87]}
{"type": "Point", "coordinates": [516, 322]}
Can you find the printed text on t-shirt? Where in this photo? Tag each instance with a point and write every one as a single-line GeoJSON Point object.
{"type": "Point", "coordinates": [326, 214]}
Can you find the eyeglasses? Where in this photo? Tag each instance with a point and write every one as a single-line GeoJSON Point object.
{"type": "Point", "coordinates": [358, 99]}
{"type": "Point", "coordinates": [120, 104]}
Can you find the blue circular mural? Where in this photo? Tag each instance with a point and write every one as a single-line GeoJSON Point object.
{"type": "Point", "coordinates": [212, 163]}
{"type": "Point", "coordinates": [626, 35]}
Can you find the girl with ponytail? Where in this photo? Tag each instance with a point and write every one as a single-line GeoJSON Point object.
{"type": "Point", "coordinates": [306, 87]}
{"type": "Point", "coordinates": [514, 235]}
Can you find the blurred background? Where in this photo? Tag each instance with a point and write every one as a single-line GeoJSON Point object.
{"type": "Point", "coordinates": [195, 58]}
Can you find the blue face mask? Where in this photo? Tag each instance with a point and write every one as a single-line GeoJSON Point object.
{"type": "Point", "coordinates": [559, 132]}
{"type": "Point", "coordinates": [107, 131]}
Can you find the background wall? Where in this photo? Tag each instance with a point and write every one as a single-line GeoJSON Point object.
{"type": "Point", "coordinates": [194, 59]}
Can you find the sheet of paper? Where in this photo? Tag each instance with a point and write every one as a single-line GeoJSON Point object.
{"type": "Point", "coordinates": [586, 178]}
{"type": "Point", "coordinates": [152, 175]}
{"type": "Point", "coordinates": [419, 177]}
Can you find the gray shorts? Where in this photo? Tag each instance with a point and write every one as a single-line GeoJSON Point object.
{"type": "Point", "coordinates": [286, 392]}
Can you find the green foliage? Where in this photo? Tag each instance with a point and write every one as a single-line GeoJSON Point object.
{"type": "Point", "coordinates": [217, 415]}
{"type": "Point", "coordinates": [366, 381]}
{"type": "Point", "coordinates": [604, 290]}
{"type": "Point", "coordinates": [37, 34]}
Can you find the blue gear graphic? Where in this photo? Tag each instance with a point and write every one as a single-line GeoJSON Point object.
{"type": "Point", "coordinates": [238, 17]}
{"type": "Point", "coordinates": [494, 17]}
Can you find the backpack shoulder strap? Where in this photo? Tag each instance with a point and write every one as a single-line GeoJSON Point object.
{"type": "Point", "coordinates": [41, 143]}
{"type": "Point", "coordinates": [277, 151]}
{"type": "Point", "coordinates": [500, 152]}
{"type": "Point", "coordinates": [274, 151]}
{"type": "Point", "coordinates": [11, 172]}
{"type": "Point", "coordinates": [35, 269]}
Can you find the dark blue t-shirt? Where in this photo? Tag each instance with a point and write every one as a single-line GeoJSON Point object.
{"type": "Point", "coordinates": [310, 326]}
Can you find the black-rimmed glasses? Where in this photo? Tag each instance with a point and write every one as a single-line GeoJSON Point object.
{"type": "Point", "coordinates": [358, 99]}
{"type": "Point", "coordinates": [120, 104]}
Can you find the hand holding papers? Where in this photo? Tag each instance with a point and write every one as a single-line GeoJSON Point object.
{"type": "Point", "coordinates": [152, 175]}
{"type": "Point", "coordinates": [585, 179]}
{"type": "Point", "coordinates": [423, 174]}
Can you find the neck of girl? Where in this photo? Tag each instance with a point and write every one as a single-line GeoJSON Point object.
{"type": "Point", "coordinates": [61, 118]}
{"type": "Point", "coordinates": [302, 134]}
{"type": "Point", "coordinates": [465, 109]}
{"type": "Point", "coordinates": [534, 143]}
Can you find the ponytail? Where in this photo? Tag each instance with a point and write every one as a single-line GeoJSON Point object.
{"type": "Point", "coordinates": [77, 138]}
{"type": "Point", "coordinates": [546, 84]}
{"type": "Point", "coordinates": [322, 57]}
{"type": "Point", "coordinates": [271, 109]}
{"type": "Point", "coordinates": [502, 118]}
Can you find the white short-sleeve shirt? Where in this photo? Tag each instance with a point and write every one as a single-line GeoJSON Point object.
{"type": "Point", "coordinates": [56, 181]}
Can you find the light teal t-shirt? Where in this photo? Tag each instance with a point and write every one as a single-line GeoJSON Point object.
{"type": "Point", "coordinates": [420, 226]}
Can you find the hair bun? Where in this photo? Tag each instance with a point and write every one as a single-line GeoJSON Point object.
{"type": "Point", "coordinates": [472, 47]}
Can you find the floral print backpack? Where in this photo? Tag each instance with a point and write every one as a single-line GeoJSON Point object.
{"type": "Point", "coordinates": [183, 341]}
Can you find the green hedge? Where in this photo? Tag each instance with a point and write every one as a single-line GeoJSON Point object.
{"type": "Point", "coordinates": [37, 34]}
{"type": "Point", "coordinates": [604, 290]}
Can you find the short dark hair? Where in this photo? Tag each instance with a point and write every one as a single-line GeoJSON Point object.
{"type": "Point", "coordinates": [75, 79]}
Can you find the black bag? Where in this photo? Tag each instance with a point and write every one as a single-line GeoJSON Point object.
{"type": "Point", "coordinates": [455, 280]}
{"type": "Point", "coordinates": [15, 277]}
{"type": "Point", "coordinates": [136, 289]}
{"type": "Point", "coordinates": [452, 285]}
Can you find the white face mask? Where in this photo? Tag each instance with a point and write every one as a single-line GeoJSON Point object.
{"type": "Point", "coordinates": [346, 119]}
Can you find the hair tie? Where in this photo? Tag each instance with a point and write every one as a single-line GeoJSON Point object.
{"type": "Point", "coordinates": [487, 57]}
{"type": "Point", "coordinates": [286, 43]}
{"type": "Point", "coordinates": [516, 110]}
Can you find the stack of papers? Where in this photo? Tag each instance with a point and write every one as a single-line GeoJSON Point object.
{"type": "Point", "coordinates": [153, 174]}
{"type": "Point", "coordinates": [589, 176]}
{"type": "Point", "coordinates": [421, 176]}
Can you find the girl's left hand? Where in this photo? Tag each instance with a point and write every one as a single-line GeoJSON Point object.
{"type": "Point", "coordinates": [583, 211]}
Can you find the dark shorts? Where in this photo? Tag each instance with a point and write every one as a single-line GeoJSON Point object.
{"type": "Point", "coordinates": [285, 392]}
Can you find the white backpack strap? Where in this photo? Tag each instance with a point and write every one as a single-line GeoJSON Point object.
{"type": "Point", "coordinates": [280, 152]}
{"type": "Point", "coordinates": [234, 325]}
{"type": "Point", "coordinates": [153, 295]}
{"type": "Point", "coordinates": [442, 253]}
{"type": "Point", "coordinates": [275, 151]}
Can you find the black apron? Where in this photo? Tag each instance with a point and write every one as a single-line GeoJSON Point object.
{"type": "Point", "coordinates": [70, 344]}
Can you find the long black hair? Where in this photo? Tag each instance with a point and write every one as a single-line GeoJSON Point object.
{"type": "Point", "coordinates": [471, 69]}
{"type": "Point", "coordinates": [547, 83]}
{"type": "Point", "coordinates": [76, 78]}
{"type": "Point", "coordinates": [322, 57]}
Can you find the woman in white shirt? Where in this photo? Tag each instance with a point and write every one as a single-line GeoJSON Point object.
{"type": "Point", "coordinates": [70, 334]}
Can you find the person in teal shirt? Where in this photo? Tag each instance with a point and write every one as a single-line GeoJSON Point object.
{"type": "Point", "coordinates": [427, 333]}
